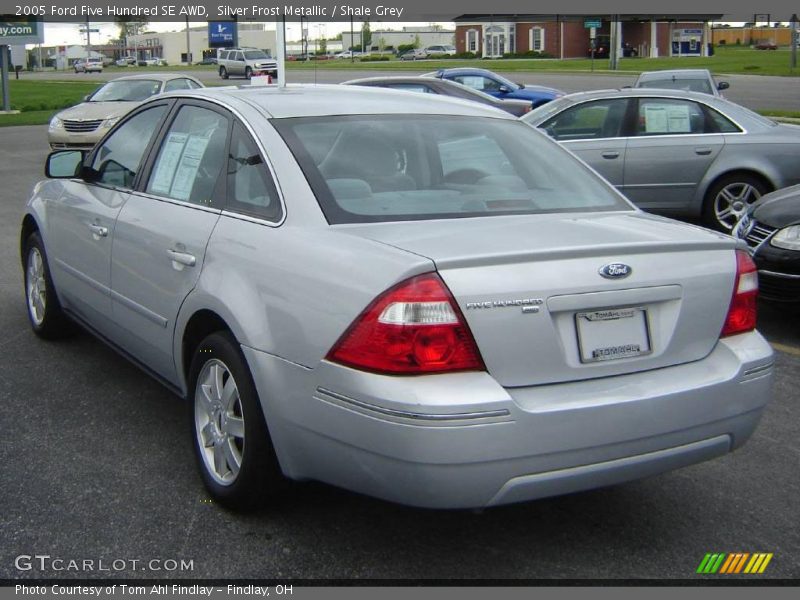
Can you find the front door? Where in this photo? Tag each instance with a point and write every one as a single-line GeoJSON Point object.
{"type": "Point", "coordinates": [81, 223]}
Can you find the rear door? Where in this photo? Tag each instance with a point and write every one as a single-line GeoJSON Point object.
{"type": "Point", "coordinates": [673, 143]}
{"type": "Point", "coordinates": [163, 230]}
{"type": "Point", "coordinates": [595, 132]}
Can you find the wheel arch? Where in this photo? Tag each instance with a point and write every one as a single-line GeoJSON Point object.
{"type": "Point", "coordinates": [29, 226]}
{"type": "Point", "coordinates": [770, 179]}
{"type": "Point", "coordinates": [198, 325]}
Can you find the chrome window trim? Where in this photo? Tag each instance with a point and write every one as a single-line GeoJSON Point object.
{"type": "Point", "coordinates": [156, 197]}
{"type": "Point", "coordinates": [264, 155]}
{"type": "Point", "coordinates": [743, 130]}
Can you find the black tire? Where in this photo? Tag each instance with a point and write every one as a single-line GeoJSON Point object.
{"type": "Point", "coordinates": [259, 478]}
{"type": "Point", "coordinates": [223, 72]}
{"type": "Point", "coordinates": [248, 72]}
{"type": "Point", "coordinates": [46, 316]}
{"type": "Point", "coordinates": [748, 186]}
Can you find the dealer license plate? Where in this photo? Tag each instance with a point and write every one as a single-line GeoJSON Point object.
{"type": "Point", "coordinates": [612, 334]}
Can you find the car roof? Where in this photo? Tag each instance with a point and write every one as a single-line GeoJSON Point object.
{"type": "Point", "coordinates": [677, 73]}
{"type": "Point", "coordinates": [465, 70]}
{"type": "Point", "coordinates": [638, 92]}
{"type": "Point", "coordinates": [156, 76]}
{"type": "Point", "coordinates": [309, 100]}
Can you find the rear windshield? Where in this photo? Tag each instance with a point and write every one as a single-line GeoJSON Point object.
{"type": "Point", "coordinates": [374, 168]}
{"type": "Point", "coordinates": [675, 83]}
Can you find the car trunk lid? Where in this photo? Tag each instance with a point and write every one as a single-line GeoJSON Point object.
{"type": "Point", "coordinates": [532, 292]}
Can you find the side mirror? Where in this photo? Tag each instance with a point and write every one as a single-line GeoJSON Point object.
{"type": "Point", "coordinates": [723, 85]}
{"type": "Point", "coordinates": [64, 164]}
{"type": "Point", "coordinates": [503, 89]}
{"type": "Point", "coordinates": [521, 85]}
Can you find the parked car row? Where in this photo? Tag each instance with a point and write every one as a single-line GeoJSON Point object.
{"type": "Point", "coordinates": [417, 298]}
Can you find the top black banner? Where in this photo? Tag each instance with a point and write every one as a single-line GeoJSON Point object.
{"type": "Point", "coordinates": [387, 10]}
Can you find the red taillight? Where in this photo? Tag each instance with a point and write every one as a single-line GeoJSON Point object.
{"type": "Point", "coordinates": [742, 312]}
{"type": "Point", "coordinates": [414, 327]}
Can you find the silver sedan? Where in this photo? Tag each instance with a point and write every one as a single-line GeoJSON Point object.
{"type": "Point", "coordinates": [678, 153]}
{"type": "Point", "coordinates": [416, 298]}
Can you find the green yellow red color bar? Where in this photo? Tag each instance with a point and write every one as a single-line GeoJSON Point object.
{"type": "Point", "coordinates": [735, 562]}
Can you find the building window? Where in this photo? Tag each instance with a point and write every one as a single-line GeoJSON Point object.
{"type": "Point", "coordinates": [536, 39]}
{"type": "Point", "coordinates": [472, 40]}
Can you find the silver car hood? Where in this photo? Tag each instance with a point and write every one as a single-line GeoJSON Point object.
{"type": "Point", "coordinates": [90, 111]}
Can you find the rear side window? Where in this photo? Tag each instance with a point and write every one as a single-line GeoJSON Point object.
{"type": "Point", "coordinates": [117, 161]}
{"type": "Point", "coordinates": [191, 156]}
{"type": "Point", "coordinates": [723, 123]}
{"type": "Point", "coordinates": [667, 116]}
{"type": "Point", "coordinates": [251, 190]}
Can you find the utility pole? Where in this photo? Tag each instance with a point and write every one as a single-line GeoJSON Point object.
{"type": "Point", "coordinates": [188, 43]}
{"type": "Point", "coordinates": [793, 24]}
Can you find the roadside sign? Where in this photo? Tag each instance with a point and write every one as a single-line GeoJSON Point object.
{"type": "Point", "coordinates": [222, 34]}
{"type": "Point", "coordinates": [592, 23]}
{"type": "Point", "coordinates": [592, 33]}
{"type": "Point", "coordinates": [27, 31]}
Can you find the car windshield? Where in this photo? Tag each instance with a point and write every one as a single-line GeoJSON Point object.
{"type": "Point", "coordinates": [131, 90]}
{"type": "Point", "coordinates": [676, 83]}
{"type": "Point", "coordinates": [255, 55]}
{"type": "Point", "coordinates": [375, 168]}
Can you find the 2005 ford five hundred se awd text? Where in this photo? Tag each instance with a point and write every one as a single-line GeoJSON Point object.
{"type": "Point", "coordinates": [413, 297]}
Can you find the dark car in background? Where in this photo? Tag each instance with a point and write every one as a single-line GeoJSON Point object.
{"type": "Point", "coordinates": [772, 229]}
{"type": "Point", "coordinates": [498, 86]}
{"type": "Point", "coordinates": [443, 87]}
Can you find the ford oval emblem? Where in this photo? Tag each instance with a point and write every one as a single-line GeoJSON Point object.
{"type": "Point", "coordinates": [615, 271]}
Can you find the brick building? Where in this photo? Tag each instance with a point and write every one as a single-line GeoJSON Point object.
{"type": "Point", "coordinates": [565, 36]}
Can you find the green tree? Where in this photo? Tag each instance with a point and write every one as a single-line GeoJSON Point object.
{"type": "Point", "coordinates": [130, 26]}
{"type": "Point", "coordinates": [366, 35]}
{"type": "Point", "coordinates": [416, 41]}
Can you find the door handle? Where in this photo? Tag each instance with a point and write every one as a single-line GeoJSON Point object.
{"type": "Point", "coordinates": [183, 258]}
{"type": "Point", "coordinates": [98, 230]}
{"type": "Point", "coordinates": [609, 154]}
{"type": "Point", "coordinates": [702, 151]}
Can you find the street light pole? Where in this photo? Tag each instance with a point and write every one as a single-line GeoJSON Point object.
{"type": "Point", "coordinates": [793, 24]}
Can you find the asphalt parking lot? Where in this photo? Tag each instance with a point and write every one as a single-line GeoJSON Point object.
{"type": "Point", "coordinates": [96, 463]}
{"type": "Point", "coordinates": [757, 92]}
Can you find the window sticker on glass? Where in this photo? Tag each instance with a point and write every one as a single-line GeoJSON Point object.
{"type": "Point", "coordinates": [666, 118]}
{"type": "Point", "coordinates": [193, 153]}
{"type": "Point", "coordinates": [168, 162]}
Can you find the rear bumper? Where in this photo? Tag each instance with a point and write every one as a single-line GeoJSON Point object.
{"type": "Point", "coordinates": [461, 440]}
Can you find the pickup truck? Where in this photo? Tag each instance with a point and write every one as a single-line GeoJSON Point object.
{"type": "Point", "coordinates": [245, 62]}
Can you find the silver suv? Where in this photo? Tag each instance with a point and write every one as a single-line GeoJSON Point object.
{"type": "Point", "coordinates": [245, 62]}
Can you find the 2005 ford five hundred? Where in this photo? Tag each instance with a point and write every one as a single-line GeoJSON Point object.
{"type": "Point", "coordinates": [412, 297]}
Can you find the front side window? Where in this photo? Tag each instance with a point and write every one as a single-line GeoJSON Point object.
{"type": "Point", "coordinates": [250, 187]}
{"type": "Point", "coordinates": [588, 121]}
{"type": "Point", "coordinates": [117, 160]}
{"type": "Point", "coordinates": [191, 156]}
{"type": "Point", "coordinates": [478, 82]}
{"type": "Point", "coordinates": [668, 116]}
{"type": "Point", "coordinates": [177, 84]}
{"type": "Point", "coordinates": [369, 168]}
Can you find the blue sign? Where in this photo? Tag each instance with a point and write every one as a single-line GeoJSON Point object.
{"type": "Point", "coordinates": [221, 34]}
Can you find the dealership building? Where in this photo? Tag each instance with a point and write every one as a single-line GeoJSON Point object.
{"type": "Point", "coordinates": [569, 36]}
{"type": "Point", "coordinates": [171, 46]}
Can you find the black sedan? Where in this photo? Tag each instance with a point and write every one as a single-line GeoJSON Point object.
{"type": "Point", "coordinates": [444, 87]}
{"type": "Point", "coordinates": [772, 228]}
